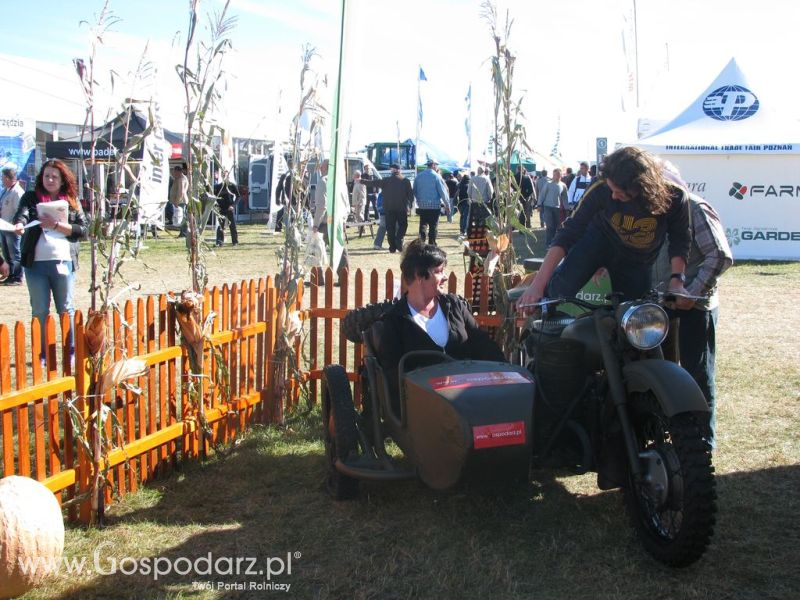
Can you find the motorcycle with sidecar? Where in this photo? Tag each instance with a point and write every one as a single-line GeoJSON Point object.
{"type": "Point", "coordinates": [590, 393]}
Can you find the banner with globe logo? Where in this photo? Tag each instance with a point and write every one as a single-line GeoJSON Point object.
{"type": "Point", "coordinates": [730, 103]}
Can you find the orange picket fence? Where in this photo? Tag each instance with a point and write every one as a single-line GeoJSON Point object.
{"type": "Point", "coordinates": [157, 428]}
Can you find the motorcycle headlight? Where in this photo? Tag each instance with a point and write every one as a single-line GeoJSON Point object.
{"type": "Point", "coordinates": [645, 325]}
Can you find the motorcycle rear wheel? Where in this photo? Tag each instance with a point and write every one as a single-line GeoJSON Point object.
{"type": "Point", "coordinates": [674, 524]}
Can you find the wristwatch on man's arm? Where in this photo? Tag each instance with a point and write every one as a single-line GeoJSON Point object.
{"type": "Point", "coordinates": [679, 276]}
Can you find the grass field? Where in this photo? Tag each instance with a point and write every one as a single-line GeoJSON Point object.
{"type": "Point", "coordinates": [558, 538]}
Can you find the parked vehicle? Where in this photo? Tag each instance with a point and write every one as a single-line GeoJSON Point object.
{"type": "Point", "coordinates": [590, 393]}
{"type": "Point", "coordinates": [353, 163]}
{"type": "Point", "coordinates": [385, 154]}
{"type": "Point", "coordinates": [260, 180]}
{"type": "Point", "coordinates": [607, 401]}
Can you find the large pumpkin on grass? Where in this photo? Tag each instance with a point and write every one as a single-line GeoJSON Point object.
{"type": "Point", "coordinates": [31, 534]}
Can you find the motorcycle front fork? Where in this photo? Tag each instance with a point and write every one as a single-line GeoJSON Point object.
{"type": "Point", "coordinates": [604, 327]}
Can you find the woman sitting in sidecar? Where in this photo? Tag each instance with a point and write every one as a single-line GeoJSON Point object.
{"type": "Point", "coordinates": [435, 384]}
{"type": "Point", "coordinates": [426, 318]}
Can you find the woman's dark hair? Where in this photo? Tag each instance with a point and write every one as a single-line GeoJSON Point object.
{"type": "Point", "coordinates": [638, 173]}
{"type": "Point", "coordinates": [69, 187]}
{"type": "Point", "coordinates": [419, 259]}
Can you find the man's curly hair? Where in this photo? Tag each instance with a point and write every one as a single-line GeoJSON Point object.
{"type": "Point", "coordinates": [639, 175]}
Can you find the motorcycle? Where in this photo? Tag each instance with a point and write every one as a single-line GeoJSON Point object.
{"type": "Point", "coordinates": [607, 401]}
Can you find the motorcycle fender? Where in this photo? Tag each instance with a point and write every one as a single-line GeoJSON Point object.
{"type": "Point", "coordinates": [672, 385]}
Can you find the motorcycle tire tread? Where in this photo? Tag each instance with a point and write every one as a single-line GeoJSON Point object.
{"type": "Point", "coordinates": [699, 501]}
{"type": "Point", "coordinates": [361, 319]}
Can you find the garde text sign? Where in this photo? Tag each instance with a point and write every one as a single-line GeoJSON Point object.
{"type": "Point", "coordinates": [757, 197]}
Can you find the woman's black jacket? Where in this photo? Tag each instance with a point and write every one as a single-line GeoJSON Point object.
{"type": "Point", "coordinates": [401, 334]}
{"type": "Point", "coordinates": [26, 212]}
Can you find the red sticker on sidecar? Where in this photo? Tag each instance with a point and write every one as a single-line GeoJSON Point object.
{"type": "Point", "coordinates": [467, 380]}
{"type": "Point", "coordinates": [498, 434]}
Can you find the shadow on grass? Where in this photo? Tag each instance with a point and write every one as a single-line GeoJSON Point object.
{"type": "Point", "coordinates": [267, 500]}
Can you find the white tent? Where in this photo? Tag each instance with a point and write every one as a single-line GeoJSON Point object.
{"type": "Point", "coordinates": [736, 147]}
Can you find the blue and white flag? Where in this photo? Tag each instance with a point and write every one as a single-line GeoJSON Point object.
{"type": "Point", "coordinates": [420, 79]}
{"type": "Point", "coordinates": [468, 123]}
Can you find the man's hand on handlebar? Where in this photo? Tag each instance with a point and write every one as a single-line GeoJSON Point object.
{"type": "Point", "coordinates": [527, 302]}
{"type": "Point", "coordinates": [683, 299]}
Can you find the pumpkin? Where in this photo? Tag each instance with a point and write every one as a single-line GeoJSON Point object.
{"type": "Point", "coordinates": [31, 534]}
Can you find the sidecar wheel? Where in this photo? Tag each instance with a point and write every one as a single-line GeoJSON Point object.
{"type": "Point", "coordinates": [339, 430]}
{"type": "Point", "coordinates": [673, 509]}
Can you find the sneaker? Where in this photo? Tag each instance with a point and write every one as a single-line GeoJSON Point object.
{"type": "Point", "coordinates": [12, 282]}
{"type": "Point", "coordinates": [376, 247]}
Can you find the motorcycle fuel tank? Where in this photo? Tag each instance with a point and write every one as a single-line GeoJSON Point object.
{"type": "Point", "coordinates": [470, 420]}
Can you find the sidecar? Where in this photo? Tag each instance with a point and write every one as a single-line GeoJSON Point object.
{"type": "Point", "coordinates": [454, 421]}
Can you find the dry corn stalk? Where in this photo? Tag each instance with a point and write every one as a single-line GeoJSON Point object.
{"type": "Point", "coordinates": [121, 370]}
{"type": "Point", "coordinates": [95, 331]}
{"type": "Point", "coordinates": [186, 310]}
{"type": "Point", "coordinates": [497, 244]}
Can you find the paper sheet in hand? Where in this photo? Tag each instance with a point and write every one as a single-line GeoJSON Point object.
{"type": "Point", "coordinates": [58, 209]}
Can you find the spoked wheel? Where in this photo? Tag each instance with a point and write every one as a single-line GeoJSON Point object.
{"type": "Point", "coordinates": [673, 506]}
{"type": "Point", "coordinates": [340, 432]}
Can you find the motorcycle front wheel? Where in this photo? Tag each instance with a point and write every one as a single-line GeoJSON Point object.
{"type": "Point", "coordinates": [673, 504]}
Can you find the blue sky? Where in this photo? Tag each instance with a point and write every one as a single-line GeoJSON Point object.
{"type": "Point", "coordinates": [570, 65]}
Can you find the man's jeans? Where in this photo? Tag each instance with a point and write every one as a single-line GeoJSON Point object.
{"type": "Point", "coordinates": [551, 222]}
{"type": "Point", "coordinates": [11, 244]}
{"type": "Point", "coordinates": [463, 220]}
{"type": "Point", "coordinates": [54, 277]}
{"type": "Point", "coordinates": [428, 224]}
{"type": "Point", "coordinates": [396, 226]}
{"type": "Point", "coordinates": [698, 349]}
{"type": "Point", "coordinates": [591, 252]}
{"type": "Point", "coordinates": [381, 232]}
{"type": "Point", "coordinates": [372, 200]}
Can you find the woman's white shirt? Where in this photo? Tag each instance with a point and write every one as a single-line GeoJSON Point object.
{"type": "Point", "coordinates": [435, 326]}
{"type": "Point", "coordinates": [52, 245]}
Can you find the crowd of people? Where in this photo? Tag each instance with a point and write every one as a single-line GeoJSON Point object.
{"type": "Point", "coordinates": [635, 221]}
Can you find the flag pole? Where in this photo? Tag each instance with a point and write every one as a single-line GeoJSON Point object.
{"type": "Point", "coordinates": [419, 116]}
{"type": "Point", "coordinates": [335, 248]}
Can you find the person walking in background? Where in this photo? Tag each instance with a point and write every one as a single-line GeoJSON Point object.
{"type": "Point", "coordinates": [709, 257]}
{"type": "Point", "coordinates": [527, 195]}
{"type": "Point", "coordinates": [397, 200]}
{"type": "Point", "coordinates": [179, 198]}
{"type": "Point", "coordinates": [452, 192]}
{"type": "Point", "coordinates": [538, 186]}
{"type": "Point", "coordinates": [359, 199]}
{"type": "Point", "coordinates": [369, 179]}
{"type": "Point", "coordinates": [283, 195]}
{"type": "Point", "coordinates": [50, 250]}
{"type": "Point", "coordinates": [9, 202]}
{"type": "Point", "coordinates": [225, 191]}
{"type": "Point", "coordinates": [553, 202]}
{"type": "Point", "coordinates": [580, 183]}
{"type": "Point", "coordinates": [463, 204]}
{"type": "Point", "coordinates": [568, 177]}
{"type": "Point", "coordinates": [378, 245]}
{"type": "Point", "coordinates": [480, 193]}
{"type": "Point", "coordinates": [431, 194]}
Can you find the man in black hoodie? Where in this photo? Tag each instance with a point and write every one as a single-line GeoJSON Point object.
{"type": "Point", "coordinates": [397, 200]}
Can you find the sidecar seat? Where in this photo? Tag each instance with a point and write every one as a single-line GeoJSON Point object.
{"type": "Point", "coordinates": [372, 337]}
